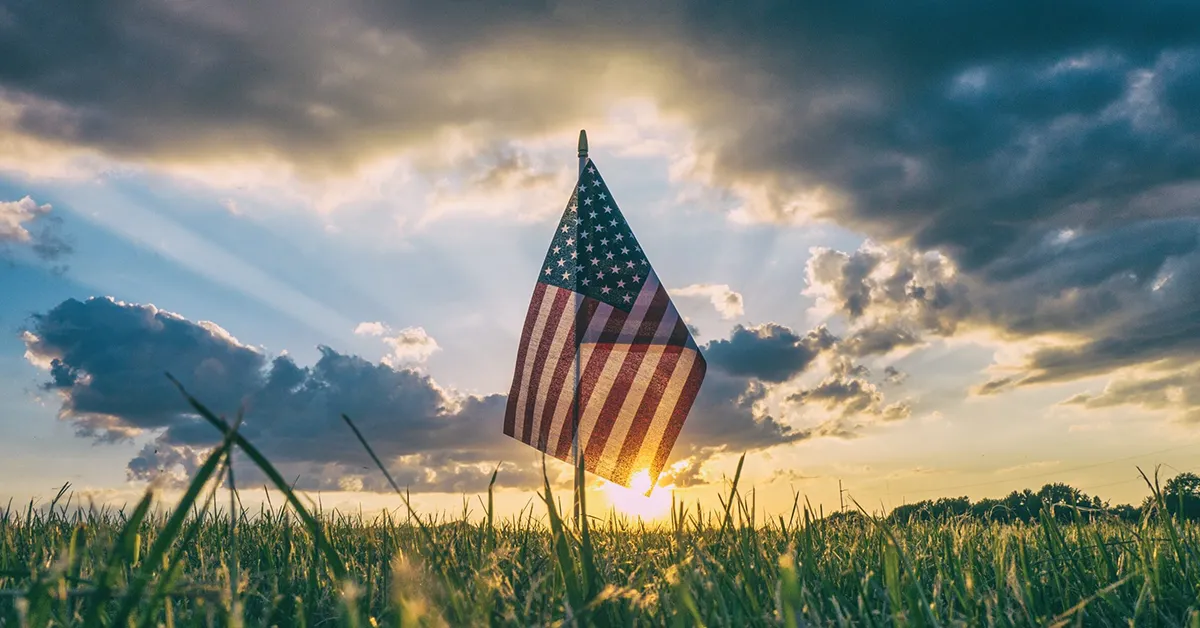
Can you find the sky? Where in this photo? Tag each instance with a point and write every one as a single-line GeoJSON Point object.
{"type": "Point", "coordinates": [927, 249]}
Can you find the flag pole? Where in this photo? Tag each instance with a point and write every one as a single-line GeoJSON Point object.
{"type": "Point", "coordinates": [578, 471]}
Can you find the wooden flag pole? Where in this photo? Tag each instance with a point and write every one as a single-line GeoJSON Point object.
{"type": "Point", "coordinates": [579, 479]}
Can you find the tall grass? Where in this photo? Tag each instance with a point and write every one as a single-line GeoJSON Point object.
{"type": "Point", "coordinates": [204, 564]}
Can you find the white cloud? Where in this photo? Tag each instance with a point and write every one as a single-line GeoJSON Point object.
{"type": "Point", "coordinates": [727, 302]}
{"type": "Point", "coordinates": [409, 346]}
{"type": "Point", "coordinates": [370, 329]}
{"type": "Point", "coordinates": [13, 215]}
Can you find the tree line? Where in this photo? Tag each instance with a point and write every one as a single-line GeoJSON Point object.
{"type": "Point", "coordinates": [1180, 497]}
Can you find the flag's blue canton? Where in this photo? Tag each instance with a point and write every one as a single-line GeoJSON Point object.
{"type": "Point", "coordinates": [594, 251]}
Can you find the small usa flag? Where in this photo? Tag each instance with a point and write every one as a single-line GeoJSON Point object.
{"type": "Point", "coordinates": [599, 315]}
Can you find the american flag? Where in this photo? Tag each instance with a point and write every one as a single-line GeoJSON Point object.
{"type": "Point", "coordinates": [639, 367]}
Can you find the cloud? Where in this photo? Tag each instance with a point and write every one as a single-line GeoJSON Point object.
{"type": "Point", "coordinates": [1096, 301]}
{"type": "Point", "coordinates": [893, 376]}
{"type": "Point", "coordinates": [107, 362]}
{"type": "Point", "coordinates": [1076, 304]}
{"type": "Point", "coordinates": [849, 393]}
{"type": "Point", "coordinates": [1027, 184]}
{"type": "Point", "coordinates": [370, 329]}
{"type": "Point", "coordinates": [994, 386]}
{"type": "Point", "coordinates": [892, 294]}
{"type": "Point", "coordinates": [1177, 392]}
{"type": "Point", "coordinates": [879, 338]}
{"type": "Point", "coordinates": [13, 215]}
{"type": "Point", "coordinates": [728, 415]}
{"type": "Point", "coordinates": [727, 302]}
{"type": "Point", "coordinates": [508, 179]}
{"type": "Point", "coordinates": [738, 408]}
{"type": "Point", "coordinates": [105, 359]}
{"type": "Point", "coordinates": [1033, 185]}
{"type": "Point", "coordinates": [805, 109]}
{"type": "Point", "coordinates": [237, 82]}
{"type": "Point", "coordinates": [409, 346]}
{"type": "Point", "coordinates": [45, 240]}
{"type": "Point", "coordinates": [769, 352]}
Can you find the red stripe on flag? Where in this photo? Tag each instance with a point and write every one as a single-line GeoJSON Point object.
{"type": "Point", "coordinates": [679, 335]}
{"type": "Point", "coordinates": [678, 415]}
{"type": "Point", "coordinates": [622, 383]}
{"type": "Point", "coordinates": [587, 383]}
{"type": "Point", "coordinates": [535, 304]}
{"type": "Point", "coordinates": [654, 315]}
{"type": "Point", "coordinates": [659, 383]}
{"type": "Point", "coordinates": [564, 370]}
{"type": "Point", "coordinates": [557, 307]}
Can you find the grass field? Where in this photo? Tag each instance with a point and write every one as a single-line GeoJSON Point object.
{"type": "Point", "coordinates": [287, 565]}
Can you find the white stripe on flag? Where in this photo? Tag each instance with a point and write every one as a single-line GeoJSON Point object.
{"type": "Point", "coordinates": [666, 408]}
{"type": "Point", "coordinates": [562, 340]}
{"type": "Point", "coordinates": [562, 412]}
{"type": "Point", "coordinates": [535, 339]}
{"type": "Point", "coordinates": [624, 419]}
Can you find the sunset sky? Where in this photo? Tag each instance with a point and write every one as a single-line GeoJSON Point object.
{"type": "Point", "coordinates": [927, 250]}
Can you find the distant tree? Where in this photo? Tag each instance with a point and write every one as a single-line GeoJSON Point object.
{"type": "Point", "coordinates": [1185, 484]}
{"type": "Point", "coordinates": [1064, 499]}
{"type": "Point", "coordinates": [852, 517]}
{"type": "Point", "coordinates": [928, 510]}
{"type": "Point", "coordinates": [1125, 512]}
{"type": "Point", "coordinates": [993, 510]}
{"type": "Point", "coordinates": [1181, 496]}
{"type": "Point", "coordinates": [1181, 493]}
{"type": "Point", "coordinates": [947, 507]}
{"type": "Point", "coordinates": [1022, 505]}
{"type": "Point", "coordinates": [910, 512]}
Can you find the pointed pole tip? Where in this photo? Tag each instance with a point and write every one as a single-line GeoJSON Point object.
{"type": "Point", "coordinates": [583, 146]}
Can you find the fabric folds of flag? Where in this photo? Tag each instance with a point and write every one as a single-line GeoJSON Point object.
{"type": "Point", "coordinates": [639, 369]}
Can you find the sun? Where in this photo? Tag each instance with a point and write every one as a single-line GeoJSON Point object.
{"type": "Point", "coordinates": [633, 502]}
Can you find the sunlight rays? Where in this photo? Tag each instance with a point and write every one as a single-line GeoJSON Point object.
{"type": "Point", "coordinates": [124, 215]}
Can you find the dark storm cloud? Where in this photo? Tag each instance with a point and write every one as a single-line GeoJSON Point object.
{"type": "Point", "coordinates": [1054, 169]}
{"type": "Point", "coordinates": [770, 352]}
{"type": "Point", "coordinates": [730, 415]}
{"type": "Point", "coordinates": [1152, 324]}
{"type": "Point", "coordinates": [972, 142]}
{"type": "Point", "coordinates": [314, 84]}
{"type": "Point", "coordinates": [1120, 296]}
{"type": "Point", "coordinates": [1017, 123]}
{"type": "Point", "coordinates": [856, 97]}
{"type": "Point", "coordinates": [107, 360]}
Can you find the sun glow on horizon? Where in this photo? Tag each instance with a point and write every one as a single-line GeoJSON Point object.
{"type": "Point", "coordinates": [633, 501]}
